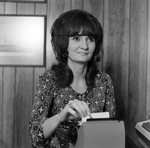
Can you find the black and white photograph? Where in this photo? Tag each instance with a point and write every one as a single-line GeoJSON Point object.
{"type": "Point", "coordinates": [74, 73]}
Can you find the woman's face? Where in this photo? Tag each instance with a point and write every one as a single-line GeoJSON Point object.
{"type": "Point", "coordinates": [80, 49]}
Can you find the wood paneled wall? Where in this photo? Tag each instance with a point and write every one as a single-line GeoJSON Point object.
{"type": "Point", "coordinates": [126, 25]}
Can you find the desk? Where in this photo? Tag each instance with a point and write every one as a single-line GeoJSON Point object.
{"type": "Point", "coordinates": [132, 138]}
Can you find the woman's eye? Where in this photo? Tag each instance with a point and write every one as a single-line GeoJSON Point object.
{"type": "Point", "coordinates": [76, 38]}
{"type": "Point", "coordinates": [91, 39]}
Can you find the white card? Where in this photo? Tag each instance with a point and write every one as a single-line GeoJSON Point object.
{"type": "Point", "coordinates": [96, 116]}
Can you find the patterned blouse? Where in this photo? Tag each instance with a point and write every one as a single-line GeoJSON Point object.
{"type": "Point", "coordinates": [50, 100]}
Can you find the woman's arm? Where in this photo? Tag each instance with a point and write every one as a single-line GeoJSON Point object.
{"type": "Point", "coordinates": [50, 125]}
{"type": "Point", "coordinates": [110, 104]}
{"type": "Point", "coordinates": [73, 109]}
{"type": "Point", "coordinates": [41, 106]}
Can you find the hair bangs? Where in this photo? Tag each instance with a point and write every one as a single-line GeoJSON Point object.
{"type": "Point", "coordinates": [82, 27]}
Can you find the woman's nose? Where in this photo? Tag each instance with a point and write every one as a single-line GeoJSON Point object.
{"type": "Point", "coordinates": [84, 44]}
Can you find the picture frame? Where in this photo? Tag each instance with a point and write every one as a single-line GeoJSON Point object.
{"type": "Point", "coordinates": [23, 40]}
{"type": "Point", "coordinates": [27, 1]}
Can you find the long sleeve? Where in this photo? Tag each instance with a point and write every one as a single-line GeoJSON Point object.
{"type": "Point", "coordinates": [110, 104]}
{"type": "Point", "coordinates": [41, 107]}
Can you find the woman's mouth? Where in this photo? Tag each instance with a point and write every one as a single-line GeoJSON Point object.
{"type": "Point", "coordinates": [83, 53]}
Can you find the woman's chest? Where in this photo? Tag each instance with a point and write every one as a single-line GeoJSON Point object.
{"type": "Point", "coordinates": [95, 98]}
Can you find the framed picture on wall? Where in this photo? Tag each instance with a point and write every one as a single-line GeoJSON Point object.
{"type": "Point", "coordinates": [22, 40]}
{"type": "Point", "coordinates": [23, 1]}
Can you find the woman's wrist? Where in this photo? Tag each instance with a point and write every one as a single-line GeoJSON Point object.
{"type": "Point", "coordinates": [59, 118]}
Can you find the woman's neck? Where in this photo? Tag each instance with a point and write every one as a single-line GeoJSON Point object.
{"type": "Point", "coordinates": [79, 73]}
{"type": "Point", "coordinates": [79, 70]}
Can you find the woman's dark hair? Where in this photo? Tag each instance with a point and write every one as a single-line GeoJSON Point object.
{"type": "Point", "coordinates": [70, 24]}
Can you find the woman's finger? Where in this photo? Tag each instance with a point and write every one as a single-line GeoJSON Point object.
{"type": "Point", "coordinates": [88, 113]}
{"type": "Point", "coordinates": [80, 107]}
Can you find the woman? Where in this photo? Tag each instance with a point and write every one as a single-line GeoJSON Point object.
{"type": "Point", "coordinates": [74, 87]}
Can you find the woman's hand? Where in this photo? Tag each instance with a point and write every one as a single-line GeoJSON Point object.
{"type": "Point", "coordinates": [74, 109]}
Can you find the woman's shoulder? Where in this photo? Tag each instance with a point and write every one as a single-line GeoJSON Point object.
{"type": "Point", "coordinates": [47, 77]}
{"type": "Point", "coordinates": [103, 76]}
{"type": "Point", "coordinates": [47, 74]}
